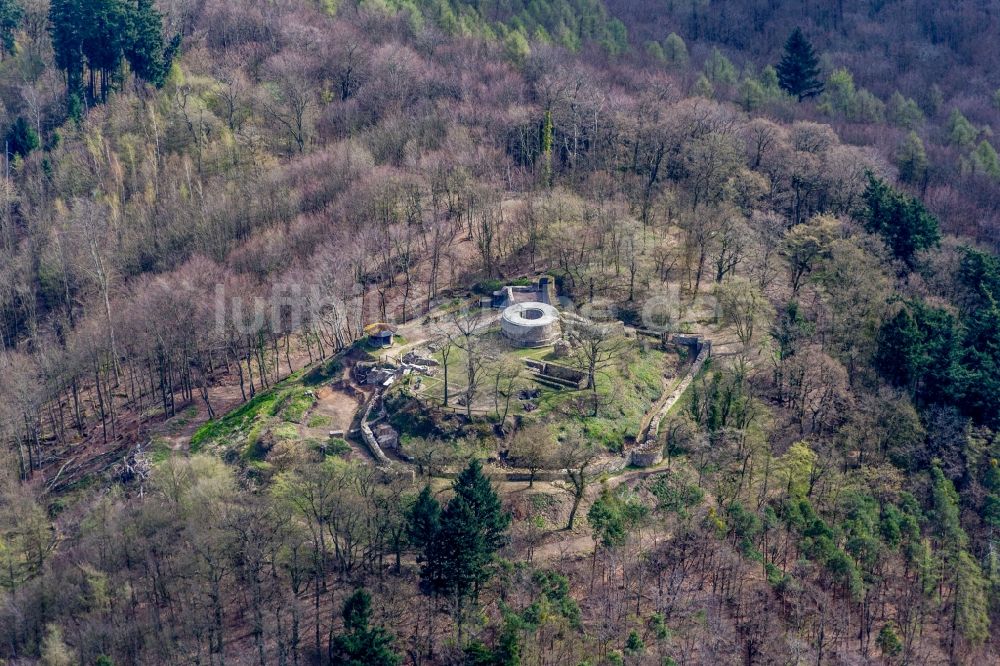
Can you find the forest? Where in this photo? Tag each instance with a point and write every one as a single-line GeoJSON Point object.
{"type": "Point", "coordinates": [768, 432]}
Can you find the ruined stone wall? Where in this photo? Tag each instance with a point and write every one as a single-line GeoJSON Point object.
{"type": "Point", "coordinates": [654, 423]}
{"type": "Point", "coordinates": [646, 457]}
{"type": "Point", "coordinates": [564, 373]}
{"type": "Point", "coordinates": [369, 437]}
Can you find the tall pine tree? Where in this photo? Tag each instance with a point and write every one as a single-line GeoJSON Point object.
{"type": "Point", "coordinates": [473, 486]}
{"type": "Point", "coordinates": [798, 71]}
{"type": "Point", "coordinates": [93, 39]}
{"type": "Point", "coordinates": [362, 644]}
{"type": "Point", "coordinates": [21, 138]}
{"type": "Point", "coordinates": [149, 58]}
{"type": "Point", "coordinates": [422, 520]}
{"type": "Point", "coordinates": [67, 26]}
{"type": "Point", "coordinates": [459, 556]}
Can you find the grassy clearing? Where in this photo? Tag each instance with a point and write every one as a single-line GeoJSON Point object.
{"type": "Point", "coordinates": [296, 406]}
{"type": "Point", "coordinates": [241, 428]}
{"type": "Point", "coordinates": [319, 421]}
{"type": "Point", "coordinates": [236, 424]}
{"type": "Point", "coordinates": [266, 435]}
{"type": "Point", "coordinates": [537, 354]}
{"type": "Point", "coordinates": [625, 393]}
{"type": "Point", "coordinates": [263, 434]}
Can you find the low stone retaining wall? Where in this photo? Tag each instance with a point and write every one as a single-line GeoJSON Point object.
{"type": "Point", "coordinates": [541, 475]}
{"type": "Point", "coordinates": [654, 423]}
{"type": "Point", "coordinates": [562, 374]}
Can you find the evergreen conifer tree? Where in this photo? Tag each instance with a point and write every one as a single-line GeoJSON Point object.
{"type": "Point", "coordinates": [146, 53]}
{"type": "Point", "coordinates": [362, 644]}
{"type": "Point", "coordinates": [470, 531]}
{"type": "Point", "coordinates": [798, 71]}
{"type": "Point", "coordinates": [473, 486]}
{"type": "Point", "coordinates": [67, 27]}
{"type": "Point", "coordinates": [905, 224]}
{"type": "Point", "coordinates": [457, 558]}
{"type": "Point", "coordinates": [21, 138]}
{"type": "Point", "coordinates": [10, 19]}
{"type": "Point", "coordinates": [888, 641]}
{"type": "Point", "coordinates": [422, 520]}
{"type": "Point", "coordinates": [675, 50]}
{"type": "Point", "coordinates": [96, 37]}
{"type": "Point", "coordinates": [911, 158]}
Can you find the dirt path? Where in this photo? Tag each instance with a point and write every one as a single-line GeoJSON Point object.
{"type": "Point", "coordinates": [177, 431]}
{"type": "Point", "coordinates": [334, 410]}
{"type": "Point", "coordinates": [564, 549]}
{"type": "Point", "coordinates": [417, 333]}
{"type": "Point", "coordinates": [559, 543]}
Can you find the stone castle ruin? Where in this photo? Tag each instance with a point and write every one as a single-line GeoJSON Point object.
{"type": "Point", "coordinates": [529, 318]}
{"type": "Point", "coordinates": [531, 324]}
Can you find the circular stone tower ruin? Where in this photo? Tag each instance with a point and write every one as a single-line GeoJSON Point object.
{"type": "Point", "coordinates": [530, 324]}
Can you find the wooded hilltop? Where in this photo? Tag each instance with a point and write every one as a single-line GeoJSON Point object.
{"type": "Point", "coordinates": [786, 452]}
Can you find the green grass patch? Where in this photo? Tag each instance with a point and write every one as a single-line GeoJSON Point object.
{"type": "Point", "coordinates": [285, 431]}
{"type": "Point", "coordinates": [159, 450]}
{"type": "Point", "coordinates": [324, 372]}
{"type": "Point", "coordinates": [236, 423]}
{"type": "Point", "coordinates": [336, 446]}
{"type": "Point", "coordinates": [247, 434]}
{"type": "Point", "coordinates": [296, 405]}
{"type": "Point", "coordinates": [319, 421]}
{"type": "Point", "coordinates": [245, 423]}
{"type": "Point", "coordinates": [261, 470]}
{"type": "Point", "coordinates": [333, 446]}
{"type": "Point", "coordinates": [537, 354]}
{"type": "Point", "coordinates": [605, 432]}
{"type": "Point", "coordinates": [626, 391]}
{"type": "Point", "coordinates": [264, 434]}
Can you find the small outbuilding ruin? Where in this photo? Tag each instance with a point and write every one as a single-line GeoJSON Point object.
{"type": "Point", "coordinates": [543, 291]}
{"type": "Point", "coordinates": [380, 335]}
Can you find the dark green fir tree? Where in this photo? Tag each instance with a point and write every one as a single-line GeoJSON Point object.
{"type": "Point", "coordinates": [362, 644]}
{"type": "Point", "coordinates": [798, 71]}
